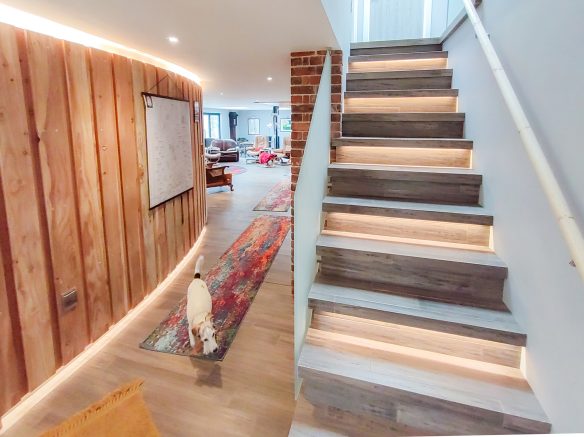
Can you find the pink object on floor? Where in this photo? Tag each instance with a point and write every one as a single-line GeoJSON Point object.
{"type": "Point", "coordinates": [266, 157]}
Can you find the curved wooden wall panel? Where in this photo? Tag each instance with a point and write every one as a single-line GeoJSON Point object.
{"type": "Point", "coordinates": [74, 211]}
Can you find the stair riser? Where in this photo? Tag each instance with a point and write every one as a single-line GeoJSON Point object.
{"type": "Point", "coordinates": [413, 83]}
{"type": "Point", "coordinates": [432, 231]}
{"type": "Point", "coordinates": [405, 213]}
{"type": "Point", "coordinates": [472, 285]}
{"type": "Point", "coordinates": [404, 143]}
{"type": "Point", "coordinates": [394, 50]}
{"type": "Point", "coordinates": [402, 330]}
{"type": "Point", "coordinates": [459, 158]}
{"type": "Point", "coordinates": [403, 129]}
{"type": "Point", "coordinates": [420, 191]}
{"type": "Point", "coordinates": [400, 65]}
{"type": "Point", "coordinates": [383, 105]}
{"type": "Point", "coordinates": [428, 416]}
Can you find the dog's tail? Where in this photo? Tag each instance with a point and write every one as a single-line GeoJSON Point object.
{"type": "Point", "coordinates": [198, 266]}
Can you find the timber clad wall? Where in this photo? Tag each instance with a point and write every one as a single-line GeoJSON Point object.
{"type": "Point", "coordinates": [74, 200]}
{"type": "Point", "coordinates": [306, 70]}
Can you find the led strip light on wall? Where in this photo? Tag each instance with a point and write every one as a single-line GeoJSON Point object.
{"type": "Point", "coordinates": [24, 20]}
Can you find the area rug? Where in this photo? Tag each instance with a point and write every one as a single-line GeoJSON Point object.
{"type": "Point", "coordinates": [233, 283]}
{"type": "Point", "coordinates": [235, 169]}
{"type": "Point", "coordinates": [123, 412]}
{"type": "Point", "coordinates": [278, 198]}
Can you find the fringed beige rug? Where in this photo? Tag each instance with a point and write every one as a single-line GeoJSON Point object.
{"type": "Point", "coordinates": [121, 413]}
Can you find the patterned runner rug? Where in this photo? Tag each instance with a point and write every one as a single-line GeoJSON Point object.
{"type": "Point", "coordinates": [233, 283]}
{"type": "Point", "coordinates": [278, 198]}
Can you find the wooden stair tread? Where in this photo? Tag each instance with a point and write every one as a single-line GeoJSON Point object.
{"type": "Point", "coordinates": [423, 380]}
{"type": "Point", "coordinates": [396, 43]}
{"type": "Point", "coordinates": [419, 211]}
{"type": "Point", "coordinates": [418, 143]}
{"type": "Point", "coordinates": [402, 93]}
{"type": "Point", "coordinates": [367, 117]}
{"type": "Point", "coordinates": [398, 56]}
{"type": "Point", "coordinates": [401, 74]}
{"type": "Point", "coordinates": [397, 172]}
{"type": "Point", "coordinates": [468, 321]}
{"type": "Point", "coordinates": [461, 256]}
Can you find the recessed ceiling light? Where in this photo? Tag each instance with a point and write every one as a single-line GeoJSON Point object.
{"type": "Point", "coordinates": [220, 94]}
{"type": "Point", "coordinates": [172, 39]}
{"type": "Point", "coordinates": [269, 78]}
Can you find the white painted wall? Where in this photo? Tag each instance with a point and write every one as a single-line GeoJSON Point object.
{"type": "Point", "coordinates": [265, 118]}
{"type": "Point", "coordinates": [539, 43]}
{"type": "Point", "coordinates": [310, 191]}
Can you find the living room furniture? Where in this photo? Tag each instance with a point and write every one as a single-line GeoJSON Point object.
{"type": "Point", "coordinates": [216, 176]}
{"type": "Point", "coordinates": [212, 155]}
{"type": "Point", "coordinates": [252, 153]}
{"type": "Point", "coordinates": [228, 149]}
{"type": "Point", "coordinates": [284, 152]}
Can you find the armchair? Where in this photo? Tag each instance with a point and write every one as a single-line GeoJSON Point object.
{"type": "Point", "coordinates": [253, 153]}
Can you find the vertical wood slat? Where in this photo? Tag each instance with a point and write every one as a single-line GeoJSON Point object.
{"type": "Point", "coordinates": [129, 174]}
{"type": "Point", "coordinates": [70, 216]}
{"type": "Point", "coordinates": [173, 91]}
{"type": "Point", "coordinates": [139, 86]}
{"type": "Point", "coordinates": [21, 193]}
{"type": "Point", "coordinates": [160, 240]}
{"type": "Point", "coordinates": [51, 111]}
{"type": "Point", "coordinates": [12, 366]}
{"type": "Point", "coordinates": [187, 200]}
{"type": "Point", "coordinates": [200, 160]}
{"type": "Point", "coordinates": [98, 299]}
{"type": "Point", "coordinates": [185, 196]}
{"type": "Point", "coordinates": [197, 207]}
{"type": "Point", "coordinates": [105, 122]}
{"type": "Point", "coordinates": [163, 90]}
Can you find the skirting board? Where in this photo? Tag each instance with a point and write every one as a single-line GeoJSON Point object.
{"type": "Point", "coordinates": [13, 415]}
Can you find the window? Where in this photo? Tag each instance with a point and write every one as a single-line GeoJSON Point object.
{"type": "Point", "coordinates": [212, 125]}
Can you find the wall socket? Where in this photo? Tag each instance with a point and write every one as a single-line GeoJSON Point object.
{"type": "Point", "coordinates": [69, 299]}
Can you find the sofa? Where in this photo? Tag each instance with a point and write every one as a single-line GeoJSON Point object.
{"type": "Point", "coordinates": [228, 149]}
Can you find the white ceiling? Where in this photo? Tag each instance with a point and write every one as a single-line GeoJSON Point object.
{"type": "Point", "coordinates": [232, 45]}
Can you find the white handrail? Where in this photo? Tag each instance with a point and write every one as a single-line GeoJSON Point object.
{"type": "Point", "coordinates": [548, 180]}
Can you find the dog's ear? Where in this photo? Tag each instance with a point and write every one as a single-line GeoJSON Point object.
{"type": "Point", "coordinates": [195, 330]}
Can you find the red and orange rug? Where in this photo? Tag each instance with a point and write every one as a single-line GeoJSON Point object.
{"type": "Point", "coordinates": [235, 169]}
{"type": "Point", "coordinates": [278, 198]}
{"type": "Point", "coordinates": [233, 283]}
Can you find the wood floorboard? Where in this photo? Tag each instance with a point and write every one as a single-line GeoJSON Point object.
{"type": "Point", "coordinates": [250, 393]}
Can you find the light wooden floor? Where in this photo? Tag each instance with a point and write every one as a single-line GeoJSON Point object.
{"type": "Point", "coordinates": [249, 393]}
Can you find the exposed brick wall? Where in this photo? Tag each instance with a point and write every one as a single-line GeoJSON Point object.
{"type": "Point", "coordinates": [306, 69]}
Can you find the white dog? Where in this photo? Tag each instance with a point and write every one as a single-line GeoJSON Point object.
{"type": "Point", "coordinates": [199, 312]}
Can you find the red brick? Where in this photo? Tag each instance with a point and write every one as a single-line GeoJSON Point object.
{"type": "Point", "coordinates": [296, 61]}
{"type": "Point", "coordinates": [303, 108]}
{"type": "Point", "coordinates": [299, 54]}
{"type": "Point", "coordinates": [296, 80]}
{"type": "Point", "coordinates": [310, 80]}
{"type": "Point", "coordinates": [297, 98]}
{"type": "Point", "coordinates": [305, 70]}
{"type": "Point", "coordinates": [317, 60]}
{"type": "Point", "coordinates": [303, 89]}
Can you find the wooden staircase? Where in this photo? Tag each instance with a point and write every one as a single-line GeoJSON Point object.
{"type": "Point", "coordinates": [409, 332]}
